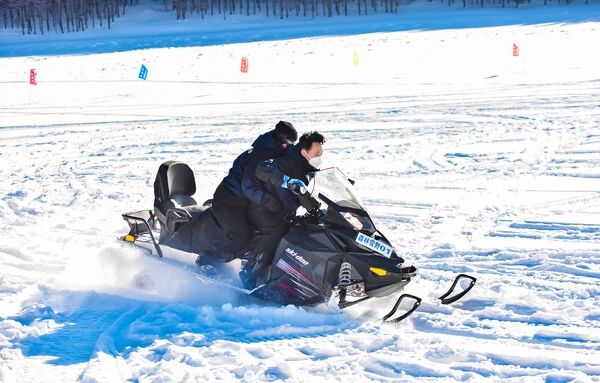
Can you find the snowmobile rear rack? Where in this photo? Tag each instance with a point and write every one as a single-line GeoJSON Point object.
{"type": "Point", "coordinates": [444, 298]}
{"type": "Point", "coordinates": [416, 305]}
{"type": "Point", "coordinates": [139, 223]}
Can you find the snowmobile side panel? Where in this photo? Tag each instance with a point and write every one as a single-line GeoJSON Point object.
{"type": "Point", "coordinates": [307, 262]}
{"type": "Point", "coordinates": [304, 261]}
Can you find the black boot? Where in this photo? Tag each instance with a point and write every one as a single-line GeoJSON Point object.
{"type": "Point", "coordinates": [255, 272]}
{"type": "Point", "coordinates": [208, 264]}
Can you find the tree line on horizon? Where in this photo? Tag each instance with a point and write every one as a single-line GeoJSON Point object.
{"type": "Point", "coordinates": [37, 16]}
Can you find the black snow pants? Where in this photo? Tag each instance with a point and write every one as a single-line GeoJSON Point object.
{"type": "Point", "coordinates": [269, 227]}
{"type": "Point", "coordinates": [231, 213]}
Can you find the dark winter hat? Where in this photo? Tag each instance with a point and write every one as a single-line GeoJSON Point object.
{"type": "Point", "coordinates": [285, 132]}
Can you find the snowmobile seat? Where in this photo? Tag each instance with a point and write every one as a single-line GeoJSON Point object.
{"type": "Point", "coordinates": [174, 187]}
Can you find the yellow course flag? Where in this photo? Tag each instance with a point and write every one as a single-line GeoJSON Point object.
{"type": "Point", "coordinates": [355, 57]}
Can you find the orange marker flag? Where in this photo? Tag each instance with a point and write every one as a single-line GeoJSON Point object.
{"type": "Point", "coordinates": [515, 50]}
{"type": "Point", "coordinates": [244, 67]}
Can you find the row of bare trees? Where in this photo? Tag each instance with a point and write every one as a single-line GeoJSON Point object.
{"type": "Point", "coordinates": [505, 3]}
{"type": "Point", "coordinates": [280, 8]}
{"type": "Point", "coordinates": [37, 16]}
{"type": "Point", "coordinates": [283, 8]}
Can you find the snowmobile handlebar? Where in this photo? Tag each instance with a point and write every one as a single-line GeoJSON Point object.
{"type": "Point", "coordinates": [312, 206]}
{"type": "Point", "coordinates": [310, 203]}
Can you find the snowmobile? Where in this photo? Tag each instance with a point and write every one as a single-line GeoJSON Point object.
{"type": "Point", "coordinates": [333, 248]}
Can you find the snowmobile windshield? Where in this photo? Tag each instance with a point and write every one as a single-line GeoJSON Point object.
{"type": "Point", "coordinates": [335, 192]}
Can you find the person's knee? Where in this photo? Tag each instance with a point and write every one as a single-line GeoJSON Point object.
{"type": "Point", "coordinates": [240, 233]}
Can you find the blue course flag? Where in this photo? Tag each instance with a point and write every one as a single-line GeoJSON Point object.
{"type": "Point", "coordinates": [143, 72]}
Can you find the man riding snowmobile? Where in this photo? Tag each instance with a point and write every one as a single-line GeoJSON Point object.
{"type": "Point", "coordinates": [231, 198]}
{"type": "Point", "coordinates": [332, 250]}
{"type": "Point", "coordinates": [276, 177]}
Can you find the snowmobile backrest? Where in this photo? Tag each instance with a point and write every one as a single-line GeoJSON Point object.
{"type": "Point", "coordinates": [173, 190]}
{"type": "Point", "coordinates": [173, 178]}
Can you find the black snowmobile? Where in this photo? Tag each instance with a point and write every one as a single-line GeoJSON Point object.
{"type": "Point", "coordinates": [332, 249]}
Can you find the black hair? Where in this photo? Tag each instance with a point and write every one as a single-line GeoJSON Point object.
{"type": "Point", "coordinates": [307, 139]}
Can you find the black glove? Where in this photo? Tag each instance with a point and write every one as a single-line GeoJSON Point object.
{"type": "Point", "coordinates": [290, 219]}
{"type": "Point", "coordinates": [317, 213]}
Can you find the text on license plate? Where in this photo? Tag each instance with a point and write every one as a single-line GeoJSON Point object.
{"type": "Point", "coordinates": [374, 244]}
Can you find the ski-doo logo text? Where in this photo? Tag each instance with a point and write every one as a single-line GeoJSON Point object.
{"type": "Point", "coordinates": [297, 256]}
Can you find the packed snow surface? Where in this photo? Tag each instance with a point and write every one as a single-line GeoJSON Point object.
{"type": "Point", "coordinates": [468, 158]}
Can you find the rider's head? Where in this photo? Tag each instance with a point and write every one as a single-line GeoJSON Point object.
{"type": "Point", "coordinates": [311, 147]}
{"type": "Point", "coordinates": [285, 133]}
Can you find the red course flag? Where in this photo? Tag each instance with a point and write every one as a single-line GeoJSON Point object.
{"type": "Point", "coordinates": [515, 50]}
{"type": "Point", "coordinates": [244, 67]}
{"type": "Point", "coordinates": [32, 75]}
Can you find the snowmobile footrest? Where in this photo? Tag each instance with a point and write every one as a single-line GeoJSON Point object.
{"type": "Point", "coordinates": [446, 300]}
{"type": "Point", "coordinates": [417, 303]}
{"type": "Point", "coordinates": [141, 222]}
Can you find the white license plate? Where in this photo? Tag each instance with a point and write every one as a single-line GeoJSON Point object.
{"type": "Point", "coordinates": [375, 245]}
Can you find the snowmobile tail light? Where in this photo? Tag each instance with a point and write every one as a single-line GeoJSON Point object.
{"type": "Point", "coordinates": [379, 272]}
{"type": "Point", "coordinates": [129, 238]}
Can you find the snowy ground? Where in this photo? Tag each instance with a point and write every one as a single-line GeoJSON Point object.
{"type": "Point", "coordinates": [469, 159]}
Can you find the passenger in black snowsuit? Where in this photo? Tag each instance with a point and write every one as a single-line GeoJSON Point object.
{"type": "Point", "coordinates": [279, 178]}
{"type": "Point", "coordinates": [231, 198]}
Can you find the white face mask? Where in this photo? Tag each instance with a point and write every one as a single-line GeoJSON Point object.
{"type": "Point", "coordinates": [315, 162]}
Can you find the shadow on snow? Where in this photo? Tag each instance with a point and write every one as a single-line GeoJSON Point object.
{"type": "Point", "coordinates": [116, 325]}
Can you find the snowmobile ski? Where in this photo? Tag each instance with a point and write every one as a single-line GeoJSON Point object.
{"type": "Point", "coordinates": [447, 299]}
{"type": "Point", "coordinates": [415, 306]}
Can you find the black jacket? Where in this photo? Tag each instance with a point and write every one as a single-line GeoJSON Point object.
{"type": "Point", "coordinates": [231, 188]}
{"type": "Point", "coordinates": [270, 173]}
